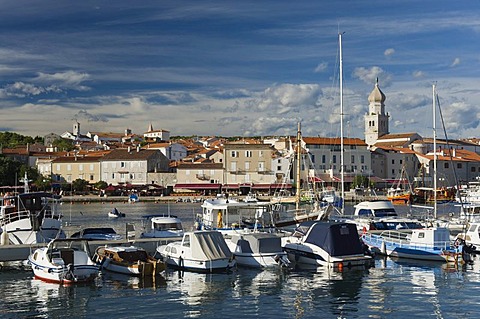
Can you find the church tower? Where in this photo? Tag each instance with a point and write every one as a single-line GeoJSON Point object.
{"type": "Point", "coordinates": [376, 120]}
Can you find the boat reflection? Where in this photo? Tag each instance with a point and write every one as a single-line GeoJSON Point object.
{"type": "Point", "coordinates": [123, 281]}
{"type": "Point", "coordinates": [198, 289]}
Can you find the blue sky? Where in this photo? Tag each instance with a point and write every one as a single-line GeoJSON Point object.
{"type": "Point", "coordinates": [251, 68]}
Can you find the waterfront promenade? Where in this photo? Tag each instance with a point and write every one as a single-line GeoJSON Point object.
{"type": "Point", "coordinates": [349, 197]}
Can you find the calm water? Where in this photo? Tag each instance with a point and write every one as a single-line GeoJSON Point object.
{"type": "Point", "coordinates": [391, 289]}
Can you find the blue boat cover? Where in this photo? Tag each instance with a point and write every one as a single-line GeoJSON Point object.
{"type": "Point", "coordinates": [337, 239]}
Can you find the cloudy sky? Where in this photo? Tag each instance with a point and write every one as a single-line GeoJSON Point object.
{"type": "Point", "coordinates": [251, 68]}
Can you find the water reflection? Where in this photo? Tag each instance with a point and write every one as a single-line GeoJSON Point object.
{"type": "Point", "coordinates": [123, 281]}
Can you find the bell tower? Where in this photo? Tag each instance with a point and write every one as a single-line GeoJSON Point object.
{"type": "Point", "coordinates": [376, 120]}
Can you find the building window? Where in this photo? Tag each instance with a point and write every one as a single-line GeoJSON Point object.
{"type": "Point", "coordinates": [401, 162]}
{"type": "Point", "coordinates": [69, 167]}
{"type": "Point", "coordinates": [334, 158]}
{"type": "Point", "coordinates": [352, 159]}
{"type": "Point", "coordinates": [445, 165]}
{"type": "Point", "coordinates": [113, 175]}
{"type": "Point", "coordinates": [80, 167]}
{"type": "Point", "coordinates": [362, 159]}
{"type": "Point", "coordinates": [393, 161]}
{"type": "Point", "coordinates": [248, 153]}
{"type": "Point", "coordinates": [122, 164]}
{"type": "Point", "coordinates": [279, 168]}
{"type": "Point", "coordinates": [473, 169]}
{"type": "Point", "coordinates": [91, 177]}
{"type": "Point", "coordinates": [247, 166]}
{"type": "Point", "coordinates": [459, 165]}
{"type": "Point", "coordinates": [393, 172]}
{"type": "Point", "coordinates": [260, 153]}
{"type": "Point", "coordinates": [234, 154]}
{"type": "Point", "coordinates": [324, 159]}
{"type": "Point", "coordinates": [91, 167]}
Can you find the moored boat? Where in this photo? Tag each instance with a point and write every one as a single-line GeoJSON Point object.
{"type": "Point", "coordinates": [329, 244]}
{"type": "Point", "coordinates": [431, 243]}
{"type": "Point", "coordinates": [115, 213]}
{"type": "Point", "coordinates": [199, 251]}
{"type": "Point", "coordinates": [97, 233]}
{"type": "Point", "coordinates": [130, 260]}
{"type": "Point", "coordinates": [258, 250]}
{"type": "Point", "coordinates": [162, 226]}
{"type": "Point", "coordinates": [30, 218]}
{"type": "Point", "coordinates": [64, 261]}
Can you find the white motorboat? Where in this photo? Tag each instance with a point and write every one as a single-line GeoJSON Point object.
{"type": "Point", "coordinates": [378, 215]}
{"type": "Point", "coordinates": [115, 213]}
{"type": "Point", "coordinates": [431, 243]}
{"type": "Point", "coordinates": [329, 244]}
{"type": "Point", "coordinates": [229, 216]}
{"type": "Point", "coordinates": [258, 250]}
{"type": "Point", "coordinates": [64, 261]}
{"type": "Point", "coordinates": [30, 218]}
{"type": "Point", "coordinates": [130, 260]}
{"type": "Point", "coordinates": [200, 251]}
{"type": "Point", "coordinates": [162, 226]}
{"type": "Point", "coordinates": [97, 233]}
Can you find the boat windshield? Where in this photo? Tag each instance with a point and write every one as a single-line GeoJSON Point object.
{"type": "Point", "coordinates": [168, 226]}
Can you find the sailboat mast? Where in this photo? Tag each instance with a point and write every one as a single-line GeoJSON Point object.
{"type": "Point", "coordinates": [434, 155]}
{"type": "Point", "coordinates": [297, 177]}
{"type": "Point", "coordinates": [342, 176]}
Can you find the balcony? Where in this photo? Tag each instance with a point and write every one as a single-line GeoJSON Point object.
{"type": "Point", "coordinates": [264, 171]}
{"type": "Point", "coordinates": [202, 177]}
{"type": "Point", "coordinates": [238, 172]}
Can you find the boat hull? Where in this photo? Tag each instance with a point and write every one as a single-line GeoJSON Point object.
{"type": "Point", "coordinates": [203, 266]}
{"type": "Point", "coordinates": [262, 260]}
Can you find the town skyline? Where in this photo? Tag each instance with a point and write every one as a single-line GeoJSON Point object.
{"type": "Point", "coordinates": [236, 69]}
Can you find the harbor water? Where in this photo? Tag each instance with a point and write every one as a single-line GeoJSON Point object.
{"type": "Point", "coordinates": [390, 289]}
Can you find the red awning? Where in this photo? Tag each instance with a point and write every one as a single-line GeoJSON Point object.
{"type": "Point", "coordinates": [198, 186]}
{"type": "Point", "coordinates": [273, 186]}
{"type": "Point", "coordinates": [261, 186]}
{"type": "Point", "coordinates": [316, 179]}
{"type": "Point", "coordinates": [231, 186]}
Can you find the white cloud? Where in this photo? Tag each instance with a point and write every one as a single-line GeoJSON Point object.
{"type": "Point", "coordinates": [389, 52]}
{"type": "Point", "coordinates": [370, 75]}
{"type": "Point", "coordinates": [284, 97]}
{"type": "Point", "coordinates": [70, 79]}
{"type": "Point", "coordinates": [418, 74]}
{"type": "Point", "coordinates": [455, 62]}
{"type": "Point", "coordinates": [321, 67]}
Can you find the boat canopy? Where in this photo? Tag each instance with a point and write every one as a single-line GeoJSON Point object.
{"type": "Point", "coordinates": [337, 239]}
{"type": "Point", "coordinates": [209, 245]}
{"type": "Point", "coordinates": [258, 242]}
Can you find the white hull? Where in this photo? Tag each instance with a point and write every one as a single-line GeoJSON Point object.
{"type": "Point", "coordinates": [218, 265]}
{"type": "Point", "coordinates": [64, 263]}
{"type": "Point", "coordinates": [261, 260]}
{"type": "Point", "coordinates": [21, 231]}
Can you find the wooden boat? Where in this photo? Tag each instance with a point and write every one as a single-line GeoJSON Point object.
{"type": "Point", "coordinates": [131, 260]}
{"type": "Point", "coordinates": [64, 261]}
{"type": "Point", "coordinates": [199, 251]}
{"type": "Point", "coordinates": [329, 244]}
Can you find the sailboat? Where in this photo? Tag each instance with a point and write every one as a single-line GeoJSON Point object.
{"type": "Point", "coordinates": [401, 191]}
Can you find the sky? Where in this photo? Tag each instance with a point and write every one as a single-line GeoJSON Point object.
{"type": "Point", "coordinates": [237, 68]}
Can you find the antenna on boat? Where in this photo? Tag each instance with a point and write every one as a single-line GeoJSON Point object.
{"type": "Point", "coordinates": [342, 174]}
{"type": "Point", "coordinates": [299, 156]}
{"type": "Point", "coordinates": [434, 155]}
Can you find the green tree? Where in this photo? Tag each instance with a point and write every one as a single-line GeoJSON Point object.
{"type": "Point", "coordinates": [361, 181]}
{"type": "Point", "coordinates": [43, 183]}
{"type": "Point", "coordinates": [9, 139]}
{"type": "Point", "coordinates": [9, 171]}
{"type": "Point", "coordinates": [63, 144]}
{"type": "Point", "coordinates": [101, 185]}
{"type": "Point", "coordinates": [79, 185]}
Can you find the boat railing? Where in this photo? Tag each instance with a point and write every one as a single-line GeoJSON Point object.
{"type": "Point", "coordinates": [11, 217]}
{"type": "Point", "coordinates": [403, 239]}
